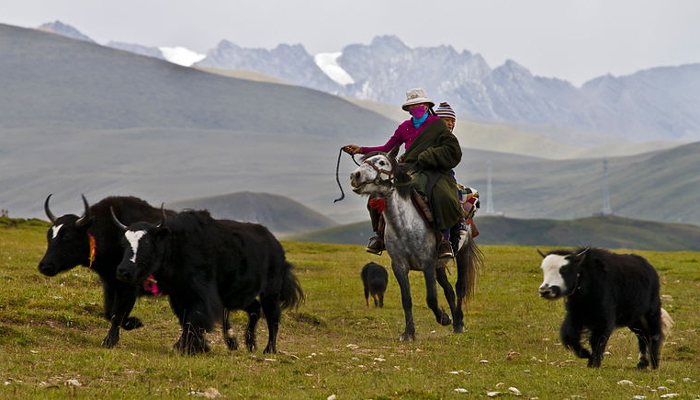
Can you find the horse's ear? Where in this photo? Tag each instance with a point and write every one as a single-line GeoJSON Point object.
{"type": "Point", "coordinates": [393, 152]}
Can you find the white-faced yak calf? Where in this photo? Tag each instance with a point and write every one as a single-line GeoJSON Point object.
{"type": "Point", "coordinates": [208, 267]}
{"type": "Point", "coordinates": [603, 291]}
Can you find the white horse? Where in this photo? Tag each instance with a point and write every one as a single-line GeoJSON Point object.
{"type": "Point", "coordinates": [412, 244]}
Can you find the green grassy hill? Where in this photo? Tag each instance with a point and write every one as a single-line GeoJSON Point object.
{"type": "Point", "coordinates": [602, 231]}
{"type": "Point", "coordinates": [280, 214]}
{"type": "Point", "coordinates": [51, 329]}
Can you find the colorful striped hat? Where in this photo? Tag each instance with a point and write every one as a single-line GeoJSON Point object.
{"type": "Point", "coordinates": [445, 111]}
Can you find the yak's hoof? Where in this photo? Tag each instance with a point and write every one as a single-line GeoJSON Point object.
{"type": "Point", "coordinates": [270, 349]}
{"type": "Point", "coordinates": [131, 323]}
{"type": "Point", "coordinates": [407, 337]}
{"type": "Point", "coordinates": [458, 328]}
{"type": "Point", "coordinates": [232, 343]}
{"type": "Point", "coordinates": [593, 363]}
{"type": "Point", "coordinates": [643, 364]}
{"type": "Point", "coordinates": [110, 341]}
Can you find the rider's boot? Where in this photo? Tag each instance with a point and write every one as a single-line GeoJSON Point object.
{"type": "Point", "coordinates": [445, 249]}
{"type": "Point", "coordinates": [375, 245]}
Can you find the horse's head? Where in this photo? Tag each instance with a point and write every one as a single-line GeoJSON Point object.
{"type": "Point", "coordinates": [374, 176]}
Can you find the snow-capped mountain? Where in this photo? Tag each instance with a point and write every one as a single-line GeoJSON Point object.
{"type": "Point", "coordinates": [656, 104]}
{"type": "Point", "coordinates": [60, 28]}
{"type": "Point", "coordinates": [291, 63]}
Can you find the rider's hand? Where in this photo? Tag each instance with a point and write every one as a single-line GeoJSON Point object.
{"type": "Point", "coordinates": [352, 149]}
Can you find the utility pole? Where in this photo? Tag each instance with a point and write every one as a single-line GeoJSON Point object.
{"type": "Point", "coordinates": [607, 208]}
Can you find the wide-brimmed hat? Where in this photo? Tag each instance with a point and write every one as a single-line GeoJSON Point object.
{"type": "Point", "coordinates": [445, 111]}
{"type": "Point", "coordinates": [416, 96]}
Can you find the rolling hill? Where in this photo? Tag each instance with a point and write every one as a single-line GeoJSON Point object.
{"type": "Point", "coordinates": [601, 231]}
{"type": "Point", "coordinates": [280, 214]}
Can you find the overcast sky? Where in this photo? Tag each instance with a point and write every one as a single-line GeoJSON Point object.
{"type": "Point", "coordinates": [574, 40]}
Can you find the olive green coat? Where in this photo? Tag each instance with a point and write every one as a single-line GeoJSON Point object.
{"type": "Point", "coordinates": [432, 155]}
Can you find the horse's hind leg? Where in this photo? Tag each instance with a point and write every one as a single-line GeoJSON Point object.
{"type": "Point", "coordinates": [401, 275]}
{"type": "Point", "coordinates": [431, 296]}
{"type": "Point", "coordinates": [229, 338]}
{"type": "Point", "coordinates": [455, 309]}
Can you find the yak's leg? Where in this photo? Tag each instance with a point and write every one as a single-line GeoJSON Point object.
{"type": "Point", "coordinates": [455, 309]}
{"type": "Point", "coordinates": [655, 332]}
{"type": "Point", "coordinates": [229, 338]}
{"type": "Point", "coordinates": [271, 308]}
{"type": "Point", "coordinates": [253, 311]}
{"type": "Point", "coordinates": [571, 338]}
{"type": "Point", "coordinates": [119, 301]}
{"type": "Point", "coordinates": [643, 340]}
{"type": "Point", "coordinates": [599, 340]}
{"type": "Point", "coordinates": [367, 296]}
{"type": "Point", "coordinates": [401, 275]}
{"type": "Point", "coordinates": [381, 300]}
{"type": "Point", "coordinates": [431, 295]}
{"type": "Point", "coordinates": [194, 321]}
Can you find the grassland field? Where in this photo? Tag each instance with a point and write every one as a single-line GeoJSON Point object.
{"type": "Point", "coordinates": [51, 329]}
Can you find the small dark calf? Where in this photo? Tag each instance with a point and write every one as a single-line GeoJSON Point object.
{"type": "Point", "coordinates": [374, 278]}
{"type": "Point", "coordinates": [605, 291]}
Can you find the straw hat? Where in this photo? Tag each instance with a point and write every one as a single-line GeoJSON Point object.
{"type": "Point", "coordinates": [416, 96]}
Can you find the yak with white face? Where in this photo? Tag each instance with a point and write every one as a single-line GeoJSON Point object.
{"type": "Point", "coordinates": [209, 267]}
{"type": "Point", "coordinates": [560, 274]}
{"type": "Point", "coordinates": [373, 176]}
{"type": "Point", "coordinates": [604, 291]}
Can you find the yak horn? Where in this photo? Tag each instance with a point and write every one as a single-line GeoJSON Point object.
{"type": "Point", "coordinates": [47, 210]}
{"type": "Point", "coordinates": [541, 253]}
{"type": "Point", "coordinates": [116, 220]}
{"type": "Point", "coordinates": [86, 214]}
{"type": "Point", "coordinates": [162, 212]}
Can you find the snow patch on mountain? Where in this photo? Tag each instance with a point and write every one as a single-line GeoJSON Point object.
{"type": "Point", "coordinates": [328, 62]}
{"type": "Point", "coordinates": [181, 55]}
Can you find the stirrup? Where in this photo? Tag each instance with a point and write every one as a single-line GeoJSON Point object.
{"type": "Point", "coordinates": [375, 245]}
{"type": "Point", "coordinates": [445, 250]}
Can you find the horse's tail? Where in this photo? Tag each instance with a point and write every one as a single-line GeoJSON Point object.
{"type": "Point", "coordinates": [469, 261]}
{"type": "Point", "coordinates": [291, 294]}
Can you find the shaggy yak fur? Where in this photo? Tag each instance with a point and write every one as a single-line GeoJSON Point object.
{"type": "Point", "coordinates": [208, 267]}
{"type": "Point", "coordinates": [69, 245]}
{"type": "Point", "coordinates": [603, 291]}
{"type": "Point", "coordinates": [374, 278]}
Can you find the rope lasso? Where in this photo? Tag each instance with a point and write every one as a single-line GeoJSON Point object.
{"type": "Point", "coordinates": [337, 168]}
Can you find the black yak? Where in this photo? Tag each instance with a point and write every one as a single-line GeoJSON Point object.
{"type": "Point", "coordinates": [374, 279]}
{"type": "Point", "coordinates": [208, 267]}
{"type": "Point", "coordinates": [92, 240]}
{"type": "Point", "coordinates": [603, 291]}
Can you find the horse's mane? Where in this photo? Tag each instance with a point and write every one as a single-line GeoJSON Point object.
{"type": "Point", "coordinates": [400, 172]}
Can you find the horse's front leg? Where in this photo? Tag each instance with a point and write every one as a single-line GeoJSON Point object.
{"type": "Point", "coordinates": [431, 295]}
{"type": "Point", "coordinates": [455, 309]}
{"type": "Point", "coordinates": [401, 274]}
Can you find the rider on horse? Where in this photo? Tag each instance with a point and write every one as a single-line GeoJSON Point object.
{"type": "Point", "coordinates": [431, 152]}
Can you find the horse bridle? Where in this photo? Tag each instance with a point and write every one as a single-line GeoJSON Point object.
{"type": "Point", "coordinates": [378, 179]}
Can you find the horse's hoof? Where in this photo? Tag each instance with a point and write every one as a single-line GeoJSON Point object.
{"type": "Point", "coordinates": [445, 319]}
{"type": "Point", "coordinates": [458, 328]}
{"type": "Point", "coordinates": [406, 337]}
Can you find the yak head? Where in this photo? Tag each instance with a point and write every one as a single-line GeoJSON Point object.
{"type": "Point", "coordinates": [561, 270]}
{"type": "Point", "coordinates": [68, 241]}
{"type": "Point", "coordinates": [144, 246]}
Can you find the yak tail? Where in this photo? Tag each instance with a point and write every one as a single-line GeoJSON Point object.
{"type": "Point", "coordinates": [291, 295]}
{"type": "Point", "coordinates": [469, 262]}
{"type": "Point", "coordinates": [666, 322]}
